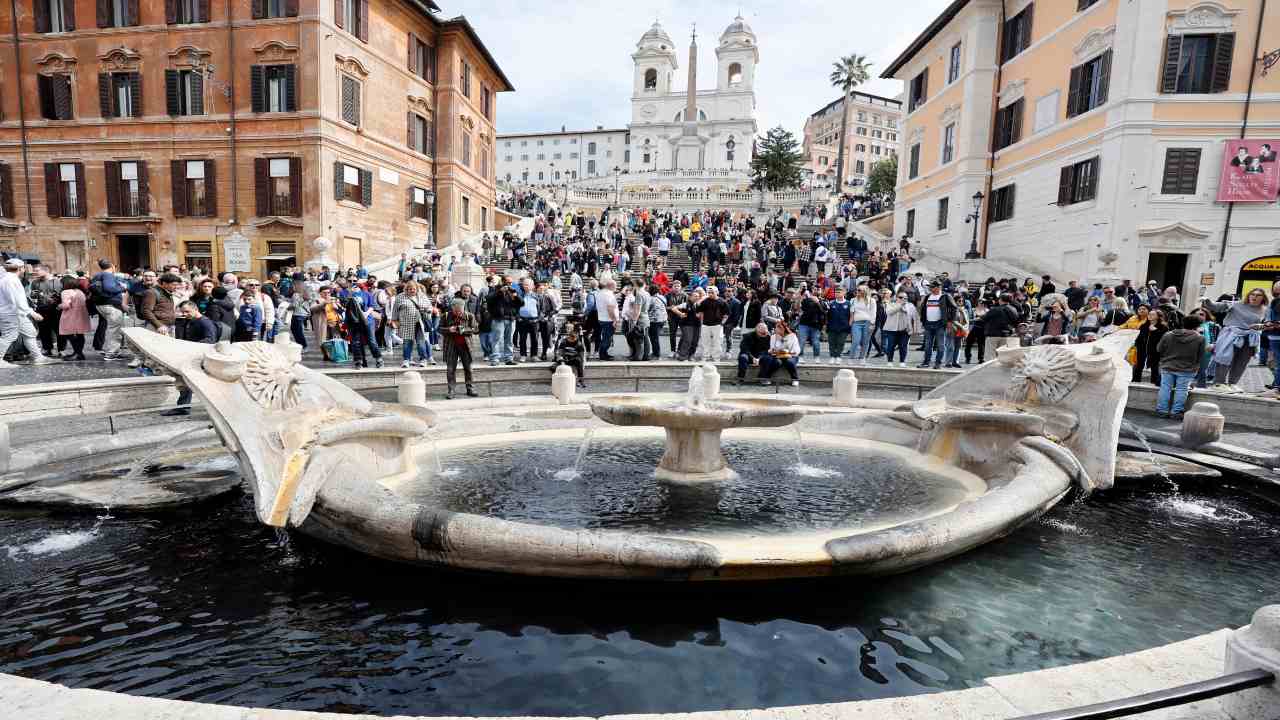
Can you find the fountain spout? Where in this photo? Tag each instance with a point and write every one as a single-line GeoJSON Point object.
{"type": "Point", "coordinates": [697, 389]}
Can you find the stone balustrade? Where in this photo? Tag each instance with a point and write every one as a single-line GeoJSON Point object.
{"type": "Point", "coordinates": [699, 198]}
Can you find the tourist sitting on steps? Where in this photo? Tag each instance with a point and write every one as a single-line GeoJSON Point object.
{"type": "Point", "coordinates": [784, 348]}
{"type": "Point", "coordinates": [753, 350]}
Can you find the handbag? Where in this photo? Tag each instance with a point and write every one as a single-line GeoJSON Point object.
{"type": "Point", "coordinates": [336, 350]}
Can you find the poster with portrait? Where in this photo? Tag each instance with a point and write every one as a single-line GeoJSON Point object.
{"type": "Point", "coordinates": [1250, 172]}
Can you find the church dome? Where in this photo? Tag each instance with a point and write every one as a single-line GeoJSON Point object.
{"type": "Point", "coordinates": [656, 37]}
{"type": "Point", "coordinates": [738, 32]}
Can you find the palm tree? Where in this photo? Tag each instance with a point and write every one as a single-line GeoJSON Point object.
{"type": "Point", "coordinates": [847, 73]}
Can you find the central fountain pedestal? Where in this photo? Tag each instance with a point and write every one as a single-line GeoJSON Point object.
{"type": "Point", "coordinates": [693, 456]}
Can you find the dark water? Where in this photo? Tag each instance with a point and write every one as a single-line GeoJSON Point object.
{"type": "Point", "coordinates": [530, 482]}
{"type": "Point", "coordinates": [208, 605]}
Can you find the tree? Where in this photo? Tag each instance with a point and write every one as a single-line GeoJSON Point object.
{"type": "Point", "coordinates": [847, 73]}
{"type": "Point", "coordinates": [777, 160]}
{"type": "Point", "coordinates": [883, 178]}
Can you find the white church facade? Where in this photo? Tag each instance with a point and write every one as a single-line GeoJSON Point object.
{"type": "Point", "coordinates": [673, 133]}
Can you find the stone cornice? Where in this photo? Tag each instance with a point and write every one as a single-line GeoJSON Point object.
{"type": "Point", "coordinates": [1095, 43]}
{"type": "Point", "coordinates": [1205, 16]}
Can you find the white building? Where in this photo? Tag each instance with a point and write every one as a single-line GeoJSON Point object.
{"type": "Point", "coordinates": [695, 134]}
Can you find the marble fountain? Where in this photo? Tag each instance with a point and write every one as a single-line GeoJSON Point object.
{"type": "Point", "coordinates": [904, 485]}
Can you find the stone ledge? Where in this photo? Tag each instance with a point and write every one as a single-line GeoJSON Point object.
{"type": "Point", "coordinates": [1002, 698]}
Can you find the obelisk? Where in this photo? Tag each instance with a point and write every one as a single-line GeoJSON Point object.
{"type": "Point", "coordinates": [688, 155]}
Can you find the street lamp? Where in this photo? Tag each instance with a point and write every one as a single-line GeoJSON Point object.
{"type": "Point", "coordinates": [617, 199]}
{"type": "Point", "coordinates": [973, 253]}
{"type": "Point", "coordinates": [730, 146]}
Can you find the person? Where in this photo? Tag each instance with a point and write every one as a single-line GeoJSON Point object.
{"type": "Point", "coordinates": [45, 293]}
{"type": "Point", "coordinates": [839, 326]}
{"type": "Point", "coordinates": [635, 318]}
{"type": "Point", "coordinates": [863, 318]}
{"type": "Point", "coordinates": [73, 318]}
{"type": "Point", "coordinates": [1273, 325]}
{"type": "Point", "coordinates": [358, 332]}
{"type": "Point", "coordinates": [300, 303]}
{"type": "Point", "coordinates": [457, 327]}
{"type": "Point", "coordinates": [17, 319]}
{"type": "Point", "coordinates": [1180, 351]}
{"type": "Point", "coordinates": [606, 317]}
{"type": "Point", "coordinates": [571, 351]}
{"type": "Point", "coordinates": [784, 347]}
{"type": "Point", "coordinates": [901, 321]}
{"type": "Point", "coordinates": [407, 312]}
{"type": "Point", "coordinates": [109, 298]}
{"type": "Point", "coordinates": [503, 306]}
{"type": "Point", "coordinates": [1055, 325]}
{"type": "Point", "coordinates": [657, 319]}
{"type": "Point", "coordinates": [1239, 338]}
{"type": "Point", "coordinates": [937, 311]}
{"type": "Point", "coordinates": [957, 329]}
{"type": "Point", "coordinates": [753, 350]}
{"type": "Point", "coordinates": [690, 324]}
{"type": "Point", "coordinates": [158, 309]}
{"type": "Point", "coordinates": [1141, 321]}
{"type": "Point", "coordinates": [195, 328]}
{"type": "Point", "coordinates": [712, 313]}
{"type": "Point", "coordinates": [1157, 326]}
{"type": "Point", "coordinates": [1089, 320]}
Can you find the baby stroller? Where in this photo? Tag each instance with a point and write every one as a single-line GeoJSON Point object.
{"type": "Point", "coordinates": [568, 351]}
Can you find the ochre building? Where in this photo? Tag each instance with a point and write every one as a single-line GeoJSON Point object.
{"type": "Point", "coordinates": [232, 135]}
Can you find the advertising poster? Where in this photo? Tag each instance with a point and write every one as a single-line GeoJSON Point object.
{"type": "Point", "coordinates": [1250, 172]}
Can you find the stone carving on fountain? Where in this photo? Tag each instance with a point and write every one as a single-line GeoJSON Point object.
{"type": "Point", "coordinates": [293, 429]}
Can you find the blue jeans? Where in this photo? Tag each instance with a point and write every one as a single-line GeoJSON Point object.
{"type": "Point", "coordinates": [1173, 385]}
{"type": "Point", "coordinates": [1275, 351]}
{"type": "Point", "coordinates": [953, 350]}
{"type": "Point", "coordinates": [486, 343]}
{"type": "Point", "coordinates": [935, 341]}
{"type": "Point", "coordinates": [606, 338]}
{"type": "Point", "coordinates": [896, 340]}
{"type": "Point", "coordinates": [860, 339]}
{"type": "Point", "coordinates": [406, 349]}
{"type": "Point", "coordinates": [812, 336]}
{"type": "Point", "coordinates": [501, 340]}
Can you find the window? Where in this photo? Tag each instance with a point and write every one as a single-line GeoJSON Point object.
{"type": "Point", "coordinates": [352, 16]}
{"type": "Point", "coordinates": [608, 153]}
{"type": "Point", "coordinates": [508, 158]}
{"type": "Point", "coordinates": [573, 156]}
{"type": "Point", "coordinates": [120, 94]}
{"type": "Point", "coordinates": [944, 208]}
{"type": "Point", "coordinates": [557, 156]}
{"type": "Point", "coordinates": [422, 58]}
{"type": "Point", "coordinates": [55, 96]}
{"type": "Point", "coordinates": [199, 255]}
{"type": "Point", "coordinates": [1008, 125]}
{"type": "Point", "coordinates": [735, 74]}
{"type": "Point", "coordinates": [911, 223]}
{"type": "Point", "coordinates": [651, 79]}
{"type": "Point", "coordinates": [1089, 85]}
{"type": "Point", "coordinates": [540, 143]}
{"type": "Point", "coordinates": [418, 207]}
{"type": "Point", "coordinates": [860, 148]}
{"type": "Point", "coordinates": [822, 160]}
{"type": "Point", "coordinates": [647, 159]}
{"type": "Point", "coordinates": [1197, 63]}
{"type": "Point", "coordinates": [919, 90]}
{"type": "Point", "coordinates": [875, 150]}
{"type": "Point", "coordinates": [184, 92]}
{"type": "Point", "coordinates": [466, 149]}
{"type": "Point", "coordinates": [55, 16]}
{"type": "Point", "coordinates": [422, 135]}
{"type": "Point", "coordinates": [591, 168]}
{"type": "Point", "coordinates": [182, 12]}
{"type": "Point", "coordinates": [877, 134]}
{"type": "Point", "coordinates": [573, 141]}
{"type": "Point", "coordinates": [861, 131]}
{"type": "Point", "coordinates": [542, 156]}
{"type": "Point", "coordinates": [274, 9]}
{"type": "Point", "coordinates": [591, 148]}
{"type": "Point", "coordinates": [126, 189]}
{"type": "Point", "coordinates": [1001, 207]}
{"type": "Point", "coordinates": [64, 190]}
{"type": "Point", "coordinates": [1079, 182]}
{"type": "Point", "coordinates": [862, 116]}
{"type": "Point", "coordinates": [524, 143]}
{"type": "Point", "coordinates": [1181, 171]}
{"type": "Point", "coordinates": [949, 143]}
{"type": "Point", "coordinates": [6, 191]}
{"type": "Point", "coordinates": [860, 167]}
{"type": "Point", "coordinates": [914, 167]}
{"type": "Point", "coordinates": [486, 103]}
{"type": "Point", "coordinates": [352, 184]}
{"type": "Point", "coordinates": [194, 186]}
{"type": "Point", "coordinates": [541, 175]}
{"type": "Point", "coordinates": [116, 13]}
{"type": "Point", "coordinates": [524, 158]}
{"type": "Point", "coordinates": [953, 67]}
{"type": "Point", "coordinates": [466, 210]}
{"type": "Point", "coordinates": [278, 186]}
{"type": "Point", "coordinates": [350, 100]}
{"type": "Point", "coordinates": [1016, 36]}
{"type": "Point", "coordinates": [273, 88]}
{"type": "Point", "coordinates": [466, 78]}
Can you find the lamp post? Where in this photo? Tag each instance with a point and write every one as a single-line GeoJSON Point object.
{"type": "Point", "coordinates": [973, 253]}
{"type": "Point", "coordinates": [617, 200]}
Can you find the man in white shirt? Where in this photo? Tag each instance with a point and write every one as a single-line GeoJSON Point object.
{"type": "Point", "coordinates": [17, 319]}
{"type": "Point", "coordinates": [606, 315]}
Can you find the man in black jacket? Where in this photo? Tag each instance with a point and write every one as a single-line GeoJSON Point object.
{"type": "Point", "coordinates": [195, 328]}
{"type": "Point", "coordinates": [753, 348]}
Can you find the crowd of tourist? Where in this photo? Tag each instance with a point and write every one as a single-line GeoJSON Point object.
{"type": "Point", "coordinates": [713, 284]}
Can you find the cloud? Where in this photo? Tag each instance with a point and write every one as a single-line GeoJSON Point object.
{"type": "Point", "coordinates": [571, 62]}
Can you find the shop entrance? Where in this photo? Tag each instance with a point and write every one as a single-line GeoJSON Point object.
{"type": "Point", "coordinates": [1169, 270]}
{"type": "Point", "coordinates": [1260, 272]}
{"type": "Point", "coordinates": [134, 251]}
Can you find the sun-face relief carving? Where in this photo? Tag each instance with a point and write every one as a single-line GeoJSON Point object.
{"type": "Point", "coordinates": [269, 378]}
{"type": "Point", "coordinates": [1046, 374]}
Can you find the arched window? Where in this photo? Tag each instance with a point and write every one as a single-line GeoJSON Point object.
{"type": "Point", "coordinates": [650, 79]}
{"type": "Point", "coordinates": [735, 74]}
{"type": "Point", "coordinates": [541, 175]}
{"type": "Point", "coordinates": [591, 168]}
{"type": "Point", "coordinates": [591, 148]}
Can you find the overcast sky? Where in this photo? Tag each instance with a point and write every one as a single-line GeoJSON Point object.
{"type": "Point", "coordinates": [571, 61]}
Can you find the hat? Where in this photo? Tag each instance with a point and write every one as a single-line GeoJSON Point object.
{"type": "Point", "coordinates": [935, 283]}
{"type": "Point", "coordinates": [17, 263]}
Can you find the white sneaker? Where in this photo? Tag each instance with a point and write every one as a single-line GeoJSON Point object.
{"type": "Point", "coordinates": [795, 383]}
{"type": "Point", "coordinates": [405, 364]}
{"type": "Point", "coordinates": [6, 365]}
{"type": "Point", "coordinates": [135, 363]}
{"type": "Point", "coordinates": [43, 360]}
{"type": "Point", "coordinates": [902, 364]}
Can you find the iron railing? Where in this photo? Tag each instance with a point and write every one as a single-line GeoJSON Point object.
{"type": "Point", "coordinates": [1172, 697]}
